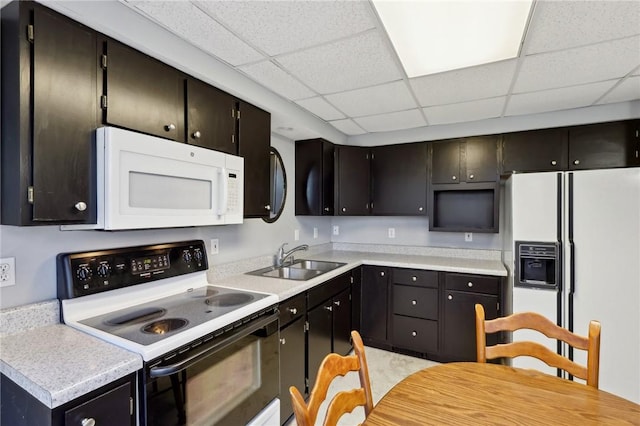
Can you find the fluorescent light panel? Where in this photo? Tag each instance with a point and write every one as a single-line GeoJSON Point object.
{"type": "Point", "coordinates": [432, 36]}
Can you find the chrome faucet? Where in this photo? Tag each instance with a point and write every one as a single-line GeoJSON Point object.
{"type": "Point", "coordinates": [281, 256]}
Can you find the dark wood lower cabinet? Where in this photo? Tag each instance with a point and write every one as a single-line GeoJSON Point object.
{"type": "Point", "coordinates": [292, 364]}
{"type": "Point", "coordinates": [375, 305]}
{"type": "Point", "coordinates": [342, 322]}
{"type": "Point", "coordinates": [318, 338]}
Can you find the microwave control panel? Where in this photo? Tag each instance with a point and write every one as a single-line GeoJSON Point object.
{"type": "Point", "coordinates": [84, 273]}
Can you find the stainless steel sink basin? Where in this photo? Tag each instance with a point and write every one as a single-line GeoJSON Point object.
{"type": "Point", "coordinates": [300, 270]}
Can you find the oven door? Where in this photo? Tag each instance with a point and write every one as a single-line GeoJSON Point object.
{"type": "Point", "coordinates": [225, 381]}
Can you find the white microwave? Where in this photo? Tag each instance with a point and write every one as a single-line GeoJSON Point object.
{"type": "Point", "coordinates": [148, 182]}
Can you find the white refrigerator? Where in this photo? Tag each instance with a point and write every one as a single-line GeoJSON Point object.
{"type": "Point", "coordinates": [593, 218]}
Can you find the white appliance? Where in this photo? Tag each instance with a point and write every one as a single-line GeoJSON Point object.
{"type": "Point", "coordinates": [148, 182]}
{"type": "Point", "coordinates": [591, 220]}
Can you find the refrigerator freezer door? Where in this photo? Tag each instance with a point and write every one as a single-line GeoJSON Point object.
{"type": "Point", "coordinates": [606, 224]}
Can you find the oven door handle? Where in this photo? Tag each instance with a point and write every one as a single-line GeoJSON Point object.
{"type": "Point", "coordinates": [167, 370]}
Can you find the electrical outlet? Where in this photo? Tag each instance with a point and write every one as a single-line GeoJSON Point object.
{"type": "Point", "coordinates": [296, 234]}
{"type": "Point", "coordinates": [7, 271]}
{"type": "Point", "coordinates": [215, 246]}
{"type": "Point", "coordinates": [315, 232]}
{"type": "Point", "coordinates": [392, 232]}
{"type": "Point", "coordinates": [336, 230]}
{"type": "Point", "coordinates": [468, 236]}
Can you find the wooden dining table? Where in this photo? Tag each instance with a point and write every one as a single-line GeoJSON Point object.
{"type": "Point", "coordinates": [469, 393]}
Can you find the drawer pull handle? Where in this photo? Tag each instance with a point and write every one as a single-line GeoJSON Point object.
{"type": "Point", "coordinates": [469, 284]}
{"type": "Point", "coordinates": [414, 302]}
{"type": "Point", "coordinates": [450, 297]}
{"type": "Point", "coordinates": [88, 422]}
{"type": "Point", "coordinates": [414, 278]}
{"type": "Point", "coordinates": [169, 127]}
{"type": "Point", "coordinates": [196, 134]}
{"type": "Point", "coordinates": [329, 308]}
{"type": "Point", "coordinates": [283, 341]}
{"type": "Point", "coordinates": [337, 303]}
{"type": "Point", "coordinates": [292, 311]}
{"type": "Point", "coordinates": [414, 333]}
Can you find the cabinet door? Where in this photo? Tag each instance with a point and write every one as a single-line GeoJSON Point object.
{"type": "Point", "coordinates": [352, 180]}
{"type": "Point", "coordinates": [445, 161]}
{"type": "Point", "coordinates": [605, 145]}
{"type": "Point", "coordinates": [292, 359]}
{"type": "Point", "coordinates": [327, 183]}
{"type": "Point", "coordinates": [399, 179]}
{"type": "Point", "coordinates": [319, 338]}
{"type": "Point", "coordinates": [64, 119]}
{"type": "Point", "coordinates": [254, 146]}
{"type": "Point", "coordinates": [356, 299]}
{"type": "Point", "coordinates": [481, 159]}
{"type": "Point", "coordinates": [110, 408]}
{"type": "Point", "coordinates": [143, 93]}
{"type": "Point", "coordinates": [211, 121]}
{"type": "Point", "coordinates": [535, 151]}
{"type": "Point", "coordinates": [459, 323]}
{"type": "Point", "coordinates": [375, 297]}
{"type": "Point", "coordinates": [342, 322]}
{"type": "Point", "coordinates": [314, 177]}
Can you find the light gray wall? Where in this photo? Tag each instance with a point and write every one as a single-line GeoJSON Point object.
{"type": "Point", "coordinates": [35, 248]}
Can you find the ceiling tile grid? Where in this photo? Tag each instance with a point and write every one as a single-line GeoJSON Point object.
{"type": "Point", "coordinates": [627, 90]}
{"type": "Point", "coordinates": [348, 127]}
{"type": "Point", "coordinates": [392, 121]}
{"type": "Point", "coordinates": [372, 100]}
{"type": "Point", "coordinates": [320, 107]}
{"type": "Point", "coordinates": [270, 75]}
{"type": "Point", "coordinates": [465, 111]}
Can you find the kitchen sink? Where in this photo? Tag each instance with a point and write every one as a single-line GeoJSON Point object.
{"type": "Point", "coordinates": [300, 270]}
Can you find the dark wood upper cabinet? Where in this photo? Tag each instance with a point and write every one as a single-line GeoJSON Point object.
{"type": "Point", "coordinates": [399, 179]}
{"type": "Point", "coordinates": [481, 158]}
{"type": "Point", "coordinates": [603, 145]}
{"type": "Point", "coordinates": [211, 117]}
{"type": "Point", "coordinates": [445, 165]}
{"type": "Point", "coordinates": [352, 169]}
{"type": "Point", "coordinates": [535, 150]}
{"type": "Point", "coordinates": [142, 93]}
{"type": "Point", "coordinates": [49, 116]}
{"type": "Point", "coordinates": [254, 144]}
{"type": "Point", "coordinates": [314, 177]}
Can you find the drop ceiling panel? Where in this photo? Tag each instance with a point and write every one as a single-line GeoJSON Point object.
{"type": "Point", "coordinates": [273, 77]}
{"type": "Point", "coordinates": [465, 111]}
{"type": "Point", "coordinates": [374, 100]}
{"type": "Point", "coordinates": [628, 90]}
{"type": "Point", "coordinates": [392, 121]}
{"type": "Point", "coordinates": [348, 127]}
{"type": "Point", "coordinates": [321, 108]}
{"type": "Point", "coordinates": [197, 28]}
{"type": "Point", "coordinates": [599, 62]}
{"type": "Point", "coordinates": [485, 81]}
{"type": "Point", "coordinates": [360, 61]}
{"type": "Point", "coordinates": [284, 26]}
{"type": "Point", "coordinates": [557, 99]}
{"type": "Point", "coordinates": [558, 25]}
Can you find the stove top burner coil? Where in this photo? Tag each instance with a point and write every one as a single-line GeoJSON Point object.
{"type": "Point", "coordinates": [165, 325]}
{"type": "Point", "coordinates": [139, 315]}
{"type": "Point", "coordinates": [229, 299]}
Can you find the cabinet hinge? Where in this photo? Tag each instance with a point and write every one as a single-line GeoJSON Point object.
{"type": "Point", "coordinates": [498, 306]}
{"type": "Point", "coordinates": [130, 406]}
{"type": "Point", "coordinates": [233, 139]}
{"type": "Point", "coordinates": [30, 194]}
{"type": "Point", "coordinates": [367, 156]}
{"type": "Point", "coordinates": [103, 62]}
{"type": "Point", "coordinates": [238, 114]}
{"type": "Point", "coordinates": [30, 33]}
{"type": "Point", "coordinates": [103, 102]}
{"type": "Point", "coordinates": [373, 156]}
{"type": "Point", "coordinates": [636, 153]}
{"type": "Point", "coordinates": [306, 326]}
{"type": "Point", "coordinates": [306, 382]}
{"type": "Point", "coordinates": [351, 279]}
{"type": "Point", "coordinates": [233, 113]}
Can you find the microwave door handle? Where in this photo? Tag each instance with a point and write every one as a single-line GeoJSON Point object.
{"type": "Point", "coordinates": [224, 193]}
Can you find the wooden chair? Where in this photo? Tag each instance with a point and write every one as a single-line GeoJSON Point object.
{"type": "Point", "coordinates": [332, 366]}
{"type": "Point", "coordinates": [534, 321]}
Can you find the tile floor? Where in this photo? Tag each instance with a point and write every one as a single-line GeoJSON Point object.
{"type": "Point", "coordinates": [385, 370]}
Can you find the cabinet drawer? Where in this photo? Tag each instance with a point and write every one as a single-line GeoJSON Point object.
{"type": "Point", "coordinates": [322, 292]}
{"type": "Point", "coordinates": [415, 334]}
{"type": "Point", "coordinates": [415, 301]}
{"type": "Point", "coordinates": [474, 283]}
{"type": "Point", "coordinates": [291, 309]}
{"type": "Point", "coordinates": [417, 277]}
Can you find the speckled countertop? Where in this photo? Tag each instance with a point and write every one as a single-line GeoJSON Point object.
{"type": "Point", "coordinates": [57, 364]}
{"type": "Point", "coordinates": [287, 288]}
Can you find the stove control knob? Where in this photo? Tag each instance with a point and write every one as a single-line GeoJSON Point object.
{"type": "Point", "coordinates": [187, 256]}
{"type": "Point", "coordinates": [198, 255]}
{"type": "Point", "coordinates": [83, 273]}
{"type": "Point", "coordinates": [104, 270]}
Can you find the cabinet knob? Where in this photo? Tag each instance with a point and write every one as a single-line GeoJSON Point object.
{"type": "Point", "coordinates": [414, 278]}
{"type": "Point", "coordinates": [450, 297]}
{"type": "Point", "coordinates": [329, 308]}
{"type": "Point", "coordinates": [292, 311]}
{"type": "Point", "coordinates": [576, 162]}
{"type": "Point", "coordinates": [88, 422]}
{"type": "Point", "coordinates": [326, 209]}
{"type": "Point", "coordinates": [454, 177]}
{"type": "Point", "coordinates": [382, 274]}
{"type": "Point", "coordinates": [268, 207]}
{"type": "Point", "coordinates": [344, 209]}
{"type": "Point", "coordinates": [169, 127]}
{"type": "Point", "coordinates": [337, 303]}
{"type": "Point", "coordinates": [420, 209]}
{"type": "Point", "coordinates": [196, 134]}
{"type": "Point", "coordinates": [471, 176]}
{"type": "Point", "coordinates": [80, 206]}
{"type": "Point", "coordinates": [414, 333]}
{"type": "Point", "coordinates": [283, 341]}
{"type": "Point", "coordinates": [469, 284]}
{"type": "Point", "coordinates": [554, 162]}
{"type": "Point", "coordinates": [414, 302]}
